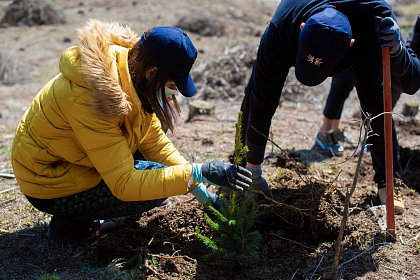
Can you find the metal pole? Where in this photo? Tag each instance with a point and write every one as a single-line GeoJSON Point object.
{"type": "Point", "coordinates": [386, 72]}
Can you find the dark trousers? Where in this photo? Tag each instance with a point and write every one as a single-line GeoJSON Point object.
{"type": "Point", "coordinates": [97, 203]}
{"type": "Point", "coordinates": [367, 78]}
{"type": "Point", "coordinates": [341, 86]}
{"type": "Point", "coordinates": [369, 89]}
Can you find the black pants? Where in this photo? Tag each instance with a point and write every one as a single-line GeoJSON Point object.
{"type": "Point", "coordinates": [341, 86]}
{"type": "Point", "coordinates": [367, 78]}
{"type": "Point", "coordinates": [96, 203]}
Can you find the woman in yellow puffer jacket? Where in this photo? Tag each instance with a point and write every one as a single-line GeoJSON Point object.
{"type": "Point", "coordinates": [75, 153]}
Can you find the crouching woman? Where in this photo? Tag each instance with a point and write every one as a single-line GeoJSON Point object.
{"type": "Point", "coordinates": [91, 146]}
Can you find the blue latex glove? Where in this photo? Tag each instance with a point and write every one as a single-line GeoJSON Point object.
{"type": "Point", "coordinates": [222, 174]}
{"type": "Point", "coordinates": [258, 181]}
{"type": "Point", "coordinates": [388, 33]}
{"type": "Point", "coordinates": [206, 196]}
{"type": "Point", "coordinates": [215, 200]}
{"type": "Point", "coordinates": [200, 193]}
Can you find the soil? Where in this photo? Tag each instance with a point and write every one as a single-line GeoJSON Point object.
{"type": "Point", "coordinates": [298, 240]}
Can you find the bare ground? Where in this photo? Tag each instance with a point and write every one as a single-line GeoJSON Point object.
{"type": "Point", "coordinates": [295, 245]}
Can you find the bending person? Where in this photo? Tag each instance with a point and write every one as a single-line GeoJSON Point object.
{"type": "Point", "coordinates": [320, 38]}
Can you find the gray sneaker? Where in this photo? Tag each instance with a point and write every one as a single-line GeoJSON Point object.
{"type": "Point", "coordinates": [339, 135]}
{"type": "Point", "coordinates": [327, 142]}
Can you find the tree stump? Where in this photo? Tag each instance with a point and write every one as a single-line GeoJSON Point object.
{"type": "Point", "coordinates": [200, 107]}
{"type": "Point", "coordinates": [410, 108]}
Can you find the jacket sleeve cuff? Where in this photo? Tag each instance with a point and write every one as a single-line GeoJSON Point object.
{"type": "Point", "coordinates": [398, 52]}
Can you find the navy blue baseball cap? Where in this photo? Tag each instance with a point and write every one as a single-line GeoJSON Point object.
{"type": "Point", "coordinates": [323, 43]}
{"type": "Point", "coordinates": [172, 50]}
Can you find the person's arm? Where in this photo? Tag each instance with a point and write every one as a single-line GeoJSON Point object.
{"type": "Point", "coordinates": [405, 68]}
{"type": "Point", "coordinates": [157, 147]}
{"type": "Point", "coordinates": [108, 150]}
{"type": "Point", "coordinates": [266, 83]}
{"type": "Point", "coordinates": [405, 65]}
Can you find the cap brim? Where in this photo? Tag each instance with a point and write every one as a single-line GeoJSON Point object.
{"type": "Point", "coordinates": [310, 74]}
{"type": "Point", "coordinates": [321, 49]}
{"type": "Point", "coordinates": [312, 71]}
{"type": "Point", "coordinates": [185, 86]}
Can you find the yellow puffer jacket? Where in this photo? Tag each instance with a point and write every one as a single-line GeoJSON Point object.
{"type": "Point", "coordinates": [87, 122]}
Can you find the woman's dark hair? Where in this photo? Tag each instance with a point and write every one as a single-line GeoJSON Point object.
{"type": "Point", "coordinates": [138, 64]}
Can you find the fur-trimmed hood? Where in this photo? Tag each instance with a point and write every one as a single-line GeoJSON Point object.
{"type": "Point", "coordinates": [96, 64]}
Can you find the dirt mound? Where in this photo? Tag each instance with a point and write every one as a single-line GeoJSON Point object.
{"type": "Point", "coordinates": [202, 24]}
{"type": "Point", "coordinates": [31, 13]}
{"type": "Point", "coordinates": [310, 213]}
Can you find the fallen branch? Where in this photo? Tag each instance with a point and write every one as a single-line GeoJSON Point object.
{"type": "Point", "coordinates": [347, 202]}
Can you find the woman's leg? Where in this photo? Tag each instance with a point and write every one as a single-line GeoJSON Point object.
{"type": "Point", "coordinates": [76, 216]}
{"type": "Point", "coordinates": [97, 202]}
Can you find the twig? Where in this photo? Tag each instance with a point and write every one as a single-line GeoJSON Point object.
{"type": "Point", "coordinates": [7, 201]}
{"type": "Point", "coordinates": [293, 241]}
{"type": "Point", "coordinates": [308, 180]}
{"type": "Point", "coordinates": [415, 237]}
{"type": "Point", "coordinates": [371, 247]}
{"type": "Point", "coordinates": [407, 165]}
{"type": "Point", "coordinates": [290, 207]}
{"type": "Point", "coordinates": [4, 231]}
{"type": "Point", "coordinates": [402, 240]}
{"type": "Point", "coordinates": [347, 203]}
{"type": "Point", "coordinates": [151, 240]}
{"type": "Point", "coordinates": [384, 113]}
{"type": "Point", "coordinates": [398, 270]}
{"type": "Point", "coordinates": [293, 276]}
{"type": "Point", "coordinates": [32, 265]}
{"type": "Point", "coordinates": [319, 263]}
{"type": "Point", "coordinates": [147, 266]}
{"type": "Point", "coordinates": [174, 257]}
{"type": "Point", "coordinates": [335, 179]}
{"type": "Point", "coordinates": [7, 175]}
{"type": "Point", "coordinates": [370, 133]}
{"type": "Point", "coordinates": [8, 190]}
{"type": "Point", "coordinates": [391, 268]}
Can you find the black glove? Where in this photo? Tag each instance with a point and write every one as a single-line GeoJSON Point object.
{"type": "Point", "coordinates": [388, 33]}
{"type": "Point", "coordinates": [258, 181]}
{"type": "Point", "coordinates": [227, 175]}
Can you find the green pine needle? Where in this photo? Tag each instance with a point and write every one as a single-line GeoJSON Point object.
{"type": "Point", "coordinates": [207, 241]}
{"type": "Point", "coordinates": [212, 224]}
{"type": "Point", "coordinates": [234, 236]}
